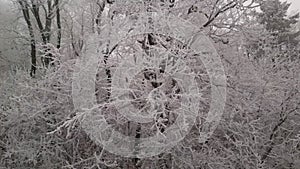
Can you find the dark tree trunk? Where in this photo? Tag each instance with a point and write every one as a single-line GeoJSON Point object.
{"type": "Point", "coordinates": [45, 30]}
{"type": "Point", "coordinates": [25, 11]}
{"type": "Point", "coordinates": [58, 22]}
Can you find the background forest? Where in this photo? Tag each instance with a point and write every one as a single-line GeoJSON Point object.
{"type": "Point", "coordinates": [41, 40]}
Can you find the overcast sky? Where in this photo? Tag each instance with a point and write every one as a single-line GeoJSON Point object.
{"type": "Point", "coordinates": [295, 5]}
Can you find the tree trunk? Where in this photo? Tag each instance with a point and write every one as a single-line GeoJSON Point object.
{"type": "Point", "coordinates": [58, 23]}
{"type": "Point", "coordinates": [25, 11]}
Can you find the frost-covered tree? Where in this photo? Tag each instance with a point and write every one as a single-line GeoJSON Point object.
{"type": "Point", "coordinates": [41, 125]}
{"type": "Point", "coordinates": [39, 16]}
{"type": "Point", "coordinates": [274, 16]}
{"type": "Point", "coordinates": [272, 40]}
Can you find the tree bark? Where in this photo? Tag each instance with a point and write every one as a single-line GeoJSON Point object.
{"type": "Point", "coordinates": [58, 23]}
{"type": "Point", "coordinates": [25, 11]}
{"type": "Point", "coordinates": [45, 30]}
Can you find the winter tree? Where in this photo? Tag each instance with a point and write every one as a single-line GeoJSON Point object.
{"type": "Point", "coordinates": [152, 84]}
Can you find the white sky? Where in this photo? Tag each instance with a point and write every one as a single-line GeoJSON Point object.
{"type": "Point", "coordinates": [295, 5]}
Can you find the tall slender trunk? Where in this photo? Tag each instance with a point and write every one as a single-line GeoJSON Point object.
{"type": "Point", "coordinates": [45, 30]}
{"type": "Point", "coordinates": [25, 11]}
{"type": "Point", "coordinates": [58, 23]}
{"type": "Point", "coordinates": [47, 33]}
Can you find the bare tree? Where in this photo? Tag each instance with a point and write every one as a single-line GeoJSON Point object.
{"type": "Point", "coordinates": [26, 13]}
{"type": "Point", "coordinates": [51, 9]}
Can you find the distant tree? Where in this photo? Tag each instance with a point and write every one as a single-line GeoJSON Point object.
{"type": "Point", "coordinates": [275, 39]}
{"type": "Point", "coordinates": [275, 19]}
{"type": "Point", "coordinates": [274, 16]}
